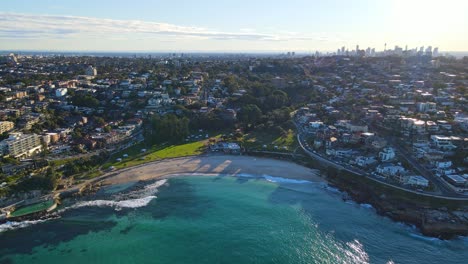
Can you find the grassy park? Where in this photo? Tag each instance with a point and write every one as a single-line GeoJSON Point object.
{"type": "Point", "coordinates": [135, 155]}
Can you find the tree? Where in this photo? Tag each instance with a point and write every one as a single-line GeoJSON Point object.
{"type": "Point", "coordinates": [276, 100]}
{"type": "Point", "coordinates": [250, 114]}
{"type": "Point", "coordinates": [85, 100]}
{"type": "Point", "coordinates": [231, 84]}
{"type": "Point", "coordinates": [48, 181]}
{"type": "Point", "coordinates": [99, 121]}
{"type": "Point", "coordinates": [168, 128]}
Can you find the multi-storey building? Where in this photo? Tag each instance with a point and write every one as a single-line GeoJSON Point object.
{"type": "Point", "coordinates": [6, 126]}
{"type": "Point", "coordinates": [21, 145]}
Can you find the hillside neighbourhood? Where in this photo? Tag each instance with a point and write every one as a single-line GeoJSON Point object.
{"type": "Point", "coordinates": [398, 118]}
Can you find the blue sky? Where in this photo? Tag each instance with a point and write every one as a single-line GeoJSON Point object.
{"type": "Point", "coordinates": [255, 25]}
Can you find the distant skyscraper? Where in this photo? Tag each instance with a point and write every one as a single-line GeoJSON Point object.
{"type": "Point", "coordinates": [428, 51]}
{"type": "Point", "coordinates": [435, 53]}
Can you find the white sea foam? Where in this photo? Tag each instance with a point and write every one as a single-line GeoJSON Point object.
{"type": "Point", "coordinates": [245, 175]}
{"type": "Point", "coordinates": [134, 199]}
{"type": "Point", "coordinates": [272, 178]}
{"type": "Point", "coordinates": [118, 205]}
{"type": "Point", "coordinates": [426, 238]}
{"type": "Point", "coordinates": [148, 190]}
{"type": "Point", "coordinates": [138, 198]}
{"type": "Point", "coordinates": [283, 180]}
{"type": "Point", "coordinates": [332, 189]}
{"type": "Point", "coordinates": [367, 206]}
{"type": "Point", "coordinates": [464, 239]}
{"type": "Point", "coordinates": [16, 225]}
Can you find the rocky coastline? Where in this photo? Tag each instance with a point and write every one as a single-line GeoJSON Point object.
{"type": "Point", "coordinates": [432, 220]}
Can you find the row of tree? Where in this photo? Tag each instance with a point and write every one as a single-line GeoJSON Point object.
{"type": "Point", "coordinates": [167, 128]}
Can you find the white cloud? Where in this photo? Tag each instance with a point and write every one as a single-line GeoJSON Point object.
{"type": "Point", "coordinates": [31, 26]}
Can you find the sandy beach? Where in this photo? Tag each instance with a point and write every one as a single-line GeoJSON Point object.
{"type": "Point", "coordinates": [216, 164]}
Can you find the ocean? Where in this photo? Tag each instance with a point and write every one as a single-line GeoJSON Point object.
{"type": "Point", "coordinates": [222, 219]}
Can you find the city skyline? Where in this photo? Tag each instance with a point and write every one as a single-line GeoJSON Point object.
{"type": "Point", "coordinates": [301, 26]}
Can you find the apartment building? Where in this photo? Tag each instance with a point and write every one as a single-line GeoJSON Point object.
{"type": "Point", "coordinates": [21, 145]}
{"type": "Point", "coordinates": [6, 126]}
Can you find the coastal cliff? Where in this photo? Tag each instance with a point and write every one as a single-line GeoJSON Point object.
{"type": "Point", "coordinates": [433, 217]}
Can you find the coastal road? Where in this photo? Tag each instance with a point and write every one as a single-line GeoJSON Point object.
{"type": "Point", "coordinates": [440, 184]}
{"type": "Point", "coordinates": [437, 181]}
{"type": "Point", "coordinates": [451, 196]}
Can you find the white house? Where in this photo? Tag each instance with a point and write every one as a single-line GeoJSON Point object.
{"type": "Point", "coordinates": [390, 169]}
{"type": "Point", "coordinates": [60, 92]}
{"type": "Point", "coordinates": [316, 124]}
{"type": "Point", "coordinates": [417, 181]}
{"type": "Point", "coordinates": [387, 154]}
{"type": "Point", "coordinates": [443, 164]}
{"type": "Point", "coordinates": [442, 142]}
{"type": "Point", "coordinates": [445, 171]}
{"type": "Point", "coordinates": [362, 161]}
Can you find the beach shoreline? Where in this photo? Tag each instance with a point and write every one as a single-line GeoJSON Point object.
{"type": "Point", "coordinates": [223, 165]}
{"type": "Point", "coordinates": [253, 167]}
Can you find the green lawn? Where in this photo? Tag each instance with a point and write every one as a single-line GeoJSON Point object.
{"type": "Point", "coordinates": [131, 151]}
{"type": "Point", "coordinates": [273, 141]}
{"type": "Point", "coordinates": [173, 151]}
{"type": "Point", "coordinates": [90, 174]}
{"type": "Point", "coordinates": [60, 162]}
{"type": "Point", "coordinates": [32, 208]}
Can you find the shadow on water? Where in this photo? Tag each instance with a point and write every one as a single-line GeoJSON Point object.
{"type": "Point", "coordinates": [285, 195]}
{"type": "Point", "coordinates": [178, 199]}
{"type": "Point", "coordinates": [51, 233]}
{"type": "Point", "coordinates": [242, 180]}
{"type": "Point", "coordinates": [238, 179]}
{"type": "Point", "coordinates": [6, 261]}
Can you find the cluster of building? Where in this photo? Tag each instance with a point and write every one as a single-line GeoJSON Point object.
{"type": "Point", "coordinates": [363, 108]}
{"type": "Point", "coordinates": [125, 97]}
{"type": "Point", "coordinates": [393, 106]}
{"type": "Point", "coordinates": [397, 51]}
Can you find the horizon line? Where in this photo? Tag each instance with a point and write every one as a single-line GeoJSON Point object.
{"type": "Point", "coordinates": [192, 51]}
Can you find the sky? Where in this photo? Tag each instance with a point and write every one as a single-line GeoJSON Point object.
{"type": "Point", "coordinates": [231, 26]}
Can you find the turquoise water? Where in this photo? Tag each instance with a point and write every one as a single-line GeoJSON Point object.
{"type": "Point", "coordinates": [206, 219]}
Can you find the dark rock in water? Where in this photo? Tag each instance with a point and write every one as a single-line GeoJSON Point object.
{"type": "Point", "coordinates": [444, 224]}
{"type": "Point", "coordinates": [441, 222]}
{"type": "Point", "coordinates": [126, 230]}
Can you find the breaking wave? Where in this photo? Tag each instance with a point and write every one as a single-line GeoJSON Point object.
{"type": "Point", "coordinates": [118, 205]}
{"type": "Point", "coordinates": [274, 179]}
{"type": "Point", "coordinates": [283, 180]}
{"type": "Point", "coordinates": [16, 225]}
{"type": "Point", "coordinates": [134, 199]}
